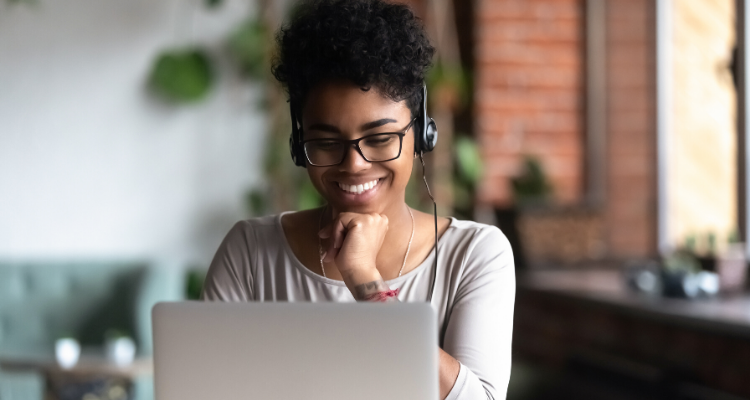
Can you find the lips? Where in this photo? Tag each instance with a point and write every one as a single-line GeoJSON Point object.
{"type": "Point", "coordinates": [359, 188]}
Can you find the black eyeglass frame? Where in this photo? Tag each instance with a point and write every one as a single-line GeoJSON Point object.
{"type": "Point", "coordinates": [355, 142]}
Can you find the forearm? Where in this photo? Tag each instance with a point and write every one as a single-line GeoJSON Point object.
{"type": "Point", "coordinates": [449, 369]}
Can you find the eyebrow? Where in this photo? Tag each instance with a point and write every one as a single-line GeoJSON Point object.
{"type": "Point", "coordinates": [365, 127]}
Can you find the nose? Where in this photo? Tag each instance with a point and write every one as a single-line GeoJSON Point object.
{"type": "Point", "coordinates": [354, 161]}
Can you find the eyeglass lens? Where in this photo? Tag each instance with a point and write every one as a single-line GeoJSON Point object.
{"type": "Point", "coordinates": [380, 147]}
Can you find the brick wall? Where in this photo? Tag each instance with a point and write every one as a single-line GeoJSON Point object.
{"type": "Point", "coordinates": [529, 99]}
{"type": "Point", "coordinates": [630, 210]}
{"type": "Point", "coordinates": [528, 93]}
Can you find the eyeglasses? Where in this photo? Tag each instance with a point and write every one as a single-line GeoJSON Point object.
{"type": "Point", "coordinates": [373, 148]}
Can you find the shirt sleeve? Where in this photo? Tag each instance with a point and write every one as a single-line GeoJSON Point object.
{"type": "Point", "coordinates": [230, 277]}
{"type": "Point", "coordinates": [480, 328]}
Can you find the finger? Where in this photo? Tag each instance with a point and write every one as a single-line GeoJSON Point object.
{"type": "Point", "coordinates": [330, 255]}
{"type": "Point", "coordinates": [333, 230]}
{"type": "Point", "coordinates": [338, 233]}
{"type": "Point", "coordinates": [325, 232]}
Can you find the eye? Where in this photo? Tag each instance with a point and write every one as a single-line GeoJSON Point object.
{"type": "Point", "coordinates": [379, 140]}
{"type": "Point", "coordinates": [325, 144]}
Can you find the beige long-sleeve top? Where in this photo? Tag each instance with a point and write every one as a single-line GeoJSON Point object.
{"type": "Point", "coordinates": [473, 296]}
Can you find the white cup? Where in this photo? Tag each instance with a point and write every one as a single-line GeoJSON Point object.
{"type": "Point", "coordinates": [120, 351]}
{"type": "Point", "coordinates": [67, 352]}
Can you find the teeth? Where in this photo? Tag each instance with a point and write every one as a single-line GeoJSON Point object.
{"type": "Point", "coordinates": [358, 189]}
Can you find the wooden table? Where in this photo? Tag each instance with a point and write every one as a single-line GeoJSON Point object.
{"type": "Point", "coordinates": [591, 315]}
{"type": "Point", "coordinates": [726, 314]}
{"type": "Point", "coordinates": [92, 374]}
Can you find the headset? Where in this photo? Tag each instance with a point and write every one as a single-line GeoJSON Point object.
{"type": "Point", "coordinates": [425, 132]}
{"type": "Point", "coordinates": [425, 139]}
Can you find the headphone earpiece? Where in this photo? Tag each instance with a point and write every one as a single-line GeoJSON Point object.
{"type": "Point", "coordinates": [426, 137]}
{"type": "Point", "coordinates": [295, 141]}
{"type": "Point", "coordinates": [430, 135]}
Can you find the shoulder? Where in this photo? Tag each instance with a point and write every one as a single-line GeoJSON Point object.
{"type": "Point", "coordinates": [249, 231]}
{"type": "Point", "coordinates": [230, 276]}
{"type": "Point", "coordinates": [259, 222]}
{"type": "Point", "coordinates": [481, 257]}
{"type": "Point", "coordinates": [256, 223]}
{"type": "Point", "coordinates": [481, 248]}
{"type": "Point", "coordinates": [476, 234]}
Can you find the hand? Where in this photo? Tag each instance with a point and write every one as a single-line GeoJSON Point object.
{"type": "Point", "coordinates": [354, 241]}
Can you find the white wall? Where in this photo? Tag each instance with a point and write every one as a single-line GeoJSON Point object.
{"type": "Point", "coordinates": [90, 164]}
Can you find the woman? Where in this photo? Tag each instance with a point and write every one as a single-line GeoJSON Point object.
{"type": "Point", "coordinates": [354, 71]}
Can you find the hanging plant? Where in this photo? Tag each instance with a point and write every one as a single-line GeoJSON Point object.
{"type": "Point", "coordinates": [468, 160]}
{"type": "Point", "coordinates": [468, 163]}
{"type": "Point", "coordinates": [248, 45]}
{"type": "Point", "coordinates": [449, 85]}
{"type": "Point", "coordinates": [213, 3]}
{"type": "Point", "coordinates": [182, 76]}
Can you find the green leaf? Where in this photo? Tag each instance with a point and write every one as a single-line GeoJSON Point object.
{"type": "Point", "coordinates": [248, 45]}
{"type": "Point", "coordinates": [181, 76]}
{"type": "Point", "coordinates": [691, 243]}
{"type": "Point", "coordinates": [256, 201]}
{"type": "Point", "coordinates": [681, 261]}
{"type": "Point", "coordinates": [308, 196]}
{"type": "Point", "coordinates": [194, 284]}
{"type": "Point", "coordinates": [213, 3]}
{"type": "Point", "coordinates": [462, 196]}
{"type": "Point", "coordinates": [711, 242]}
{"type": "Point", "coordinates": [468, 160]}
{"type": "Point", "coordinates": [114, 333]}
{"type": "Point", "coordinates": [452, 77]}
{"type": "Point", "coordinates": [532, 185]}
{"type": "Point", "coordinates": [734, 236]}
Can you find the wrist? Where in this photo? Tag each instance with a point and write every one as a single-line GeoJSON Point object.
{"type": "Point", "coordinates": [361, 276]}
{"type": "Point", "coordinates": [386, 296]}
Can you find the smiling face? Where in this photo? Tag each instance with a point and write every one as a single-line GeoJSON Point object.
{"type": "Point", "coordinates": [341, 110]}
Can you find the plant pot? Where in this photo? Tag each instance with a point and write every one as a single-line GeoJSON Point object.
{"type": "Point", "coordinates": [732, 269]}
{"type": "Point", "coordinates": [560, 236]}
{"type": "Point", "coordinates": [67, 352]}
{"type": "Point", "coordinates": [120, 351]}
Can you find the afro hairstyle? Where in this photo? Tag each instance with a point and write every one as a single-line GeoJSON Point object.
{"type": "Point", "coordinates": [372, 43]}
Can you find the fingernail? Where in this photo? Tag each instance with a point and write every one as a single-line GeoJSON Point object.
{"type": "Point", "coordinates": [323, 255]}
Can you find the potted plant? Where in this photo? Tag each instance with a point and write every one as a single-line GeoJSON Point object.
{"type": "Point", "coordinates": [726, 259]}
{"type": "Point", "coordinates": [530, 189]}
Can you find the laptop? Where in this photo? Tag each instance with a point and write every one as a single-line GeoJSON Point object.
{"type": "Point", "coordinates": [331, 351]}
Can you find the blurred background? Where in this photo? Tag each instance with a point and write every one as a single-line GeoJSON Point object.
{"type": "Point", "coordinates": [606, 138]}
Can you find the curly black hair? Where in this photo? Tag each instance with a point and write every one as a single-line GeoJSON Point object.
{"type": "Point", "coordinates": [371, 43]}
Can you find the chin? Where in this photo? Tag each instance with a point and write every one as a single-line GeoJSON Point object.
{"type": "Point", "coordinates": [364, 208]}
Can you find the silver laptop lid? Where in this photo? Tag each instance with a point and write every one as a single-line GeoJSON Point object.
{"type": "Point", "coordinates": [210, 350]}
